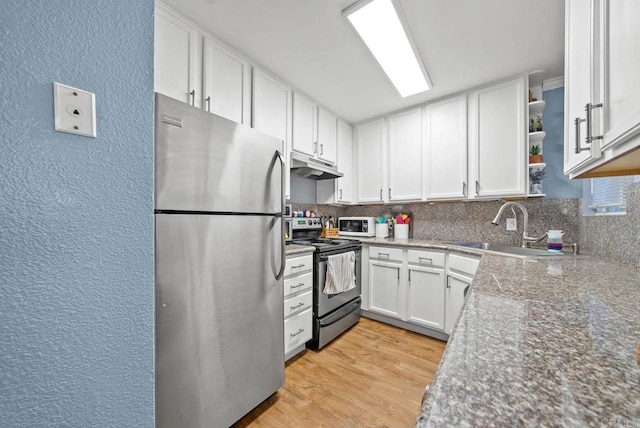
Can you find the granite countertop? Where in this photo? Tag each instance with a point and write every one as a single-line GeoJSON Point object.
{"type": "Point", "coordinates": [540, 342]}
{"type": "Point", "coordinates": [292, 249]}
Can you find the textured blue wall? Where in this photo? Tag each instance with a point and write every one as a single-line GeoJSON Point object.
{"type": "Point", "coordinates": [76, 217]}
{"type": "Point", "coordinates": [556, 185]}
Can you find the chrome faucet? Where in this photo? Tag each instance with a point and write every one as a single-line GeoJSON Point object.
{"type": "Point", "coordinates": [526, 239]}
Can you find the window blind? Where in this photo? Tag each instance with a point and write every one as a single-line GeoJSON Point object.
{"type": "Point", "coordinates": [607, 195]}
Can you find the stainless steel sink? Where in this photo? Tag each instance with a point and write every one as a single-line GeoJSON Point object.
{"type": "Point", "coordinates": [508, 250]}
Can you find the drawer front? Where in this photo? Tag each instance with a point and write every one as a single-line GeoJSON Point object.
{"type": "Point", "coordinates": [297, 330]}
{"type": "Point", "coordinates": [298, 265]}
{"type": "Point", "coordinates": [467, 265]}
{"type": "Point", "coordinates": [298, 303]}
{"type": "Point", "coordinates": [298, 284]}
{"type": "Point", "coordinates": [385, 253]}
{"type": "Point", "coordinates": [426, 258]}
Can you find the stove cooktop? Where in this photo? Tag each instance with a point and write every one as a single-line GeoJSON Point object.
{"type": "Point", "coordinates": [328, 243]}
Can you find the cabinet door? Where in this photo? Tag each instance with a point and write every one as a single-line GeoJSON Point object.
{"type": "Point", "coordinates": [426, 297]}
{"type": "Point", "coordinates": [327, 136]}
{"type": "Point", "coordinates": [270, 113]}
{"type": "Point", "coordinates": [384, 288]}
{"type": "Point", "coordinates": [498, 140]}
{"type": "Point", "coordinates": [620, 71]}
{"type": "Point", "coordinates": [345, 162]}
{"type": "Point", "coordinates": [226, 83]}
{"type": "Point", "coordinates": [405, 156]}
{"type": "Point", "coordinates": [341, 190]}
{"type": "Point", "coordinates": [579, 24]}
{"type": "Point", "coordinates": [304, 125]}
{"type": "Point", "coordinates": [454, 299]}
{"type": "Point", "coordinates": [177, 58]}
{"type": "Point", "coordinates": [369, 146]}
{"type": "Point", "coordinates": [446, 147]}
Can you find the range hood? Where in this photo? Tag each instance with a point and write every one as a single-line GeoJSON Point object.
{"type": "Point", "coordinates": [308, 167]}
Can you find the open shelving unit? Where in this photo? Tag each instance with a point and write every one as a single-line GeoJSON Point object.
{"type": "Point", "coordinates": [536, 138]}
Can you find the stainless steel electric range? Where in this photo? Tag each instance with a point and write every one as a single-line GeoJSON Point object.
{"type": "Point", "coordinates": [332, 313]}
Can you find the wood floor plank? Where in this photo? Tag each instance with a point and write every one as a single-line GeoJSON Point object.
{"type": "Point", "coordinates": [372, 376]}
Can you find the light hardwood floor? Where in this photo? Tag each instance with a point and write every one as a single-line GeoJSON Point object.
{"type": "Point", "coordinates": [373, 375]}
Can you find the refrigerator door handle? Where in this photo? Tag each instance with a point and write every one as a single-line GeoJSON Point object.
{"type": "Point", "coordinates": [282, 223]}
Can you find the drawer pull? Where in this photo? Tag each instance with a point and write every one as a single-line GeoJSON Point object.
{"type": "Point", "coordinates": [298, 286]}
{"type": "Point", "coordinates": [293, 308]}
{"type": "Point", "coordinates": [381, 255]}
{"type": "Point", "coordinates": [297, 333]}
{"type": "Point", "coordinates": [420, 259]}
{"type": "Point", "coordinates": [298, 266]}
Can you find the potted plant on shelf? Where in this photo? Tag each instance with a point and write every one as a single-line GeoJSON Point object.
{"type": "Point", "coordinates": [535, 180]}
{"type": "Point", "coordinates": [534, 155]}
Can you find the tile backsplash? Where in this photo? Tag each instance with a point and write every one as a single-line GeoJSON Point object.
{"type": "Point", "coordinates": [612, 237]}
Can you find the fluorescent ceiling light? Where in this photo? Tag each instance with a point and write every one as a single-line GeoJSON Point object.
{"type": "Point", "coordinates": [382, 31]}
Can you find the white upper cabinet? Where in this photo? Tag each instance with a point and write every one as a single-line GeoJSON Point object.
{"type": "Point", "coordinates": [602, 71]}
{"type": "Point", "coordinates": [405, 156]}
{"type": "Point", "coordinates": [226, 83]}
{"type": "Point", "coordinates": [578, 77]}
{"type": "Point", "coordinates": [620, 77]}
{"type": "Point", "coordinates": [327, 136]}
{"type": "Point", "coordinates": [314, 129]}
{"type": "Point", "coordinates": [345, 184]}
{"type": "Point", "coordinates": [304, 125]}
{"type": "Point", "coordinates": [177, 58]}
{"type": "Point", "coordinates": [370, 143]}
{"type": "Point", "coordinates": [270, 105]}
{"type": "Point", "coordinates": [446, 149]}
{"type": "Point", "coordinates": [271, 113]}
{"type": "Point", "coordinates": [497, 141]}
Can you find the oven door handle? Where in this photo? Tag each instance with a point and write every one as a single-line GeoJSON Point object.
{"type": "Point", "coordinates": [322, 259]}
{"type": "Point", "coordinates": [337, 316]}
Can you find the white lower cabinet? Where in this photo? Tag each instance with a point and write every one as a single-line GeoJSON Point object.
{"type": "Point", "coordinates": [425, 296]}
{"type": "Point", "coordinates": [298, 298]}
{"type": "Point", "coordinates": [460, 272]}
{"type": "Point", "coordinates": [407, 284]}
{"type": "Point", "coordinates": [384, 288]}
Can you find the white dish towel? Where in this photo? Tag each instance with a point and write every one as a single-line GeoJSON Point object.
{"type": "Point", "coordinates": [341, 273]}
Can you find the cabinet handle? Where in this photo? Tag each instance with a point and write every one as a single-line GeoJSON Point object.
{"type": "Point", "coordinates": [296, 333]}
{"type": "Point", "coordinates": [321, 149]}
{"type": "Point", "coordinates": [420, 259]}
{"type": "Point", "coordinates": [464, 188]}
{"type": "Point", "coordinates": [298, 266]}
{"type": "Point", "coordinates": [409, 275]}
{"type": "Point", "coordinates": [448, 278]}
{"type": "Point", "coordinates": [577, 121]}
{"type": "Point", "coordinates": [340, 194]}
{"type": "Point", "coordinates": [208, 100]}
{"type": "Point", "coordinates": [193, 97]}
{"type": "Point", "coordinates": [380, 255]}
{"type": "Point", "coordinates": [315, 147]}
{"type": "Point", "coordinates": [381, 194]}
{"type": "Point", "coordinates": [477, 188]}
{"type": "Point", "coordinates": [588, 108]}
{"type": "Point", "coordinates": [389, 193]}
{"type": "Point", "coordinates": [398, 269]}
{"type": "Point", "coordinates": [298, 286]}
{"type": "Point", "coordinates": [293, 308]}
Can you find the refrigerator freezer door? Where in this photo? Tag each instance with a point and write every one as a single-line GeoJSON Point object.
{"type": "Point", "coordinates": [219, 317]}
{"type": "Point", "coordinates": [204, 162]}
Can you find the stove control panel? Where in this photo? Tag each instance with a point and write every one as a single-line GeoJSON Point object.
{"type": "Point", "coordinates": [306, 223]}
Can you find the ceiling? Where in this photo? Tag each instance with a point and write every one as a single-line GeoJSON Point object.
{"type": "Point", "coordinates": [312, 47]}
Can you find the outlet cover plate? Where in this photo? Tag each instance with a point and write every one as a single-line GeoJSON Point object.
{"type": "Point", "coordinates": [74, 110]}
{"type": "Point", "coordinates": [512, 223]}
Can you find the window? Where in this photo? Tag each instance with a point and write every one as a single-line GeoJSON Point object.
{"type": "Point", "coordinates": [606, 196]}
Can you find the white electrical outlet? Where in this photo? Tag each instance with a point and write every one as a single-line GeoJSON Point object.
{"type": "Point", "coordinates": [512, 223]}
{"type": "Point", "coordinates": [74, 110]}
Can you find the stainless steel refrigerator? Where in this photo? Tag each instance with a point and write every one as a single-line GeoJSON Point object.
{"type": "Point", "coordinates": [219, 260]}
